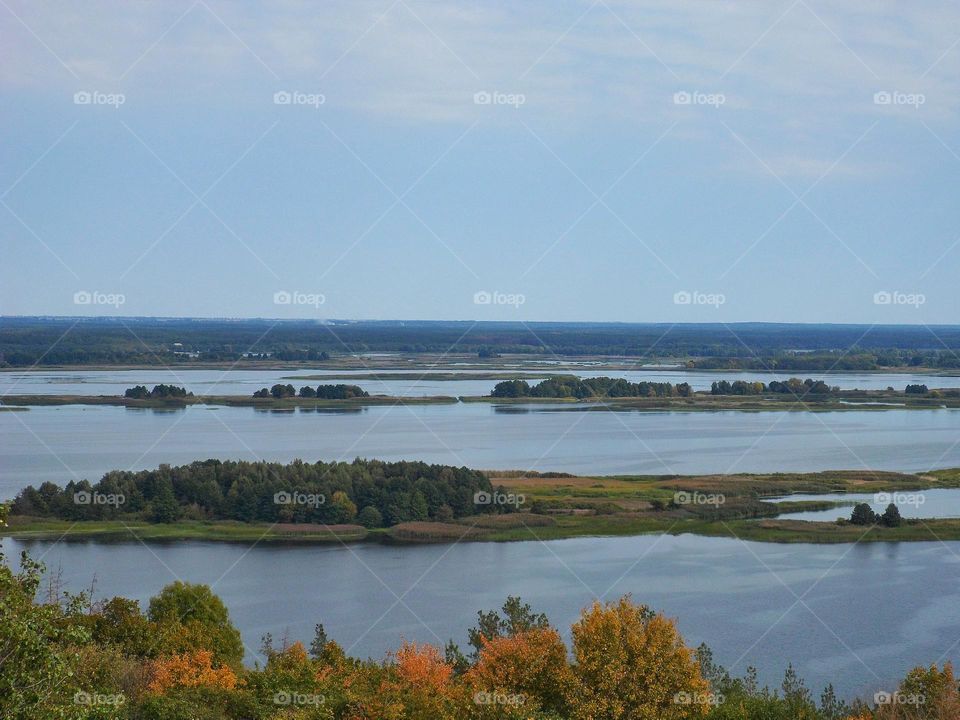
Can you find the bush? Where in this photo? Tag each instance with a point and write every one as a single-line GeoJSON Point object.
{"type": "Point", "coordinates": [370, 517]}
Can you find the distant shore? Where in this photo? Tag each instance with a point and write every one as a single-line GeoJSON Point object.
{"type": "Point", "coordinates": [843, 400]}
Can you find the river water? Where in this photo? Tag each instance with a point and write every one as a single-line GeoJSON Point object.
{"type": "Point", "coordinates": [866, 612]}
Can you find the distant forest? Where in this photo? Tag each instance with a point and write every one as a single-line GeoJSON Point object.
{"type": "Point", "coordinates": [26, 341]}
{"type": "Point", "coordinates": [368, 492]}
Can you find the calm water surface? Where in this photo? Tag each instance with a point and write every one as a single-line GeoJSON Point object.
{"type": "Point", "coordinates": [60, 443]}
{"type": "Point", "coordinates": [937, 503]}
{"type": "Point", "coordinates": [245, 382]}
{"type": "Point", "coordinates": [869, 612]}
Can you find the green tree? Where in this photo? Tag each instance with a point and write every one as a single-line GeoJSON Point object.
{"type": "Point", "coordinates": [370, 517]}
{"type": "Point", "coordinates": [891, 516]}
{"type": "Point", "coordinates": [202, 613]}
{"type": "Point", "coordinates": [39, 648]}
{"type": "Point", "coordinates": [517, 617]}
{"type": "Point", "coordinates": [164, 506]}
{"type": "Point", "coordinates": [319, 643]}
{"type": "Point", "coordinates": [863, 514]}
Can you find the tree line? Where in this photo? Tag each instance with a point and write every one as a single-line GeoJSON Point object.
{"type": "Point", "coordinates": [370, 492]}
{"type": "Point", "coordinates": [140, 392]}
{"type": "Point", "coordinates": [25, 341]}
{"type": "Point", "coordinates": [793, 386]}
{"type": "Point", "coordinates": [322, 392]}
{"type": "Point", "coordinates": [570, 386]}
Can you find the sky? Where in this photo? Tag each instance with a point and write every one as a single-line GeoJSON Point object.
{"type": "Point", "coordinates": [660, 161]}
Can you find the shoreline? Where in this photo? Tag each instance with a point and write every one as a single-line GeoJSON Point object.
{"type": "Point", "coordinates": [571, 506]}
{"type": "Point", "coordinates": [844, 400]}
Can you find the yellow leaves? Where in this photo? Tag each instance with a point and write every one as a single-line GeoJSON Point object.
{"type": "Point", "coordinates": [633, 665]}
{"type": "Point", "coordinates": [193, 669]}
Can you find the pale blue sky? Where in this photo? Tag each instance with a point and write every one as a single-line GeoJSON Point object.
{"type": "Point", "coordinates": [784, 191]}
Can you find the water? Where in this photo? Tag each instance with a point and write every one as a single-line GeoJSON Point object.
{"type": "Point", "coordinates": [245, 382]}
{"type": "Point", "coordinates": [869, 612]}
{"type": "Point", "coordinates": [73, 442]}
{"type": "Point", "coordinates": [937, 503]}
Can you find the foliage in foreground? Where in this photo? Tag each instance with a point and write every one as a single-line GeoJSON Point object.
{"type": "Point", "coordinates": [69, 659]}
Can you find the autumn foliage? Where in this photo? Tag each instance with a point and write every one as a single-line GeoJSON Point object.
{"type": "Point", "coordinates": [633, 665]}
{"type": "Point", "coordinates": [76, 661]}
{"type": "Point", "coordinates": [189, 670]}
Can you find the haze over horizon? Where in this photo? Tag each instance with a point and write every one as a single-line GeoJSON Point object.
{"type": "Point", "coordinates": [670, 162]}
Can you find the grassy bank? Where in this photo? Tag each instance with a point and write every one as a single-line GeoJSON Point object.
{"type": "Point", "coordinates": [560, 506]}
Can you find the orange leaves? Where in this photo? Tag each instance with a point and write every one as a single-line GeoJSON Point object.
{"type": "Point", "coordinates": [193, 669]}
{"type": "Point", "coordinates": [530, 667]}
{"type": "Point", "coordinates": [422, 666]}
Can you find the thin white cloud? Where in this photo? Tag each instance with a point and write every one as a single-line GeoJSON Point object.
{"type": "Point", "coordinates": [791, 71]}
